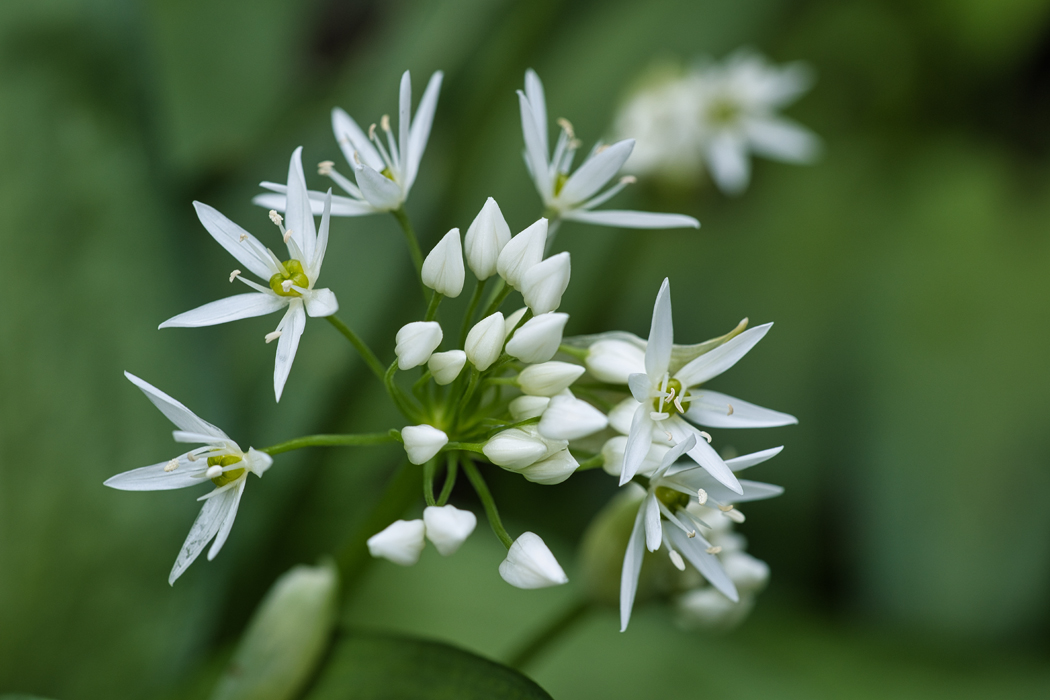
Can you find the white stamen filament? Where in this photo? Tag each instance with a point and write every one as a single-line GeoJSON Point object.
{"type": "Point", "coordinates": [286, 235]}
{"type": "Point", "coordinates": [172, 465]}
{"type": "Point", "coordinates": [233, 275]}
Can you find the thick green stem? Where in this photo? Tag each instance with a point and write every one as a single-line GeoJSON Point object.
{"type": "Point", "coordinates": [450, 479]}
{"type": "Point", "coordinates": [432, 308]}
{"type": "Point", "coordinates": [578, 353]}
{"type": "Point", "coordinates": [550, 633]}
{"type": "Point", "coordinates": [591, 463]}
{"type": "Point", "coordinates": [410, 236]}
{"type": "Point", "coordinates": [398, 396]}
{"type": "Point", "coordinates": [333, 441]}
{"type": "Point", "coordinates": [366, 352]}
{"type": "Point", "coordinates": [468, 318]}
{"type": "Point", "coordinates": [491, 511]}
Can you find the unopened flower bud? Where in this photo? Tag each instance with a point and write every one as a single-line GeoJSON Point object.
{"type": "Point", "coordinates": [613, 452]}
{"type": "Point", "coordinates": [548, 378]}
{"type": "Point", "coordinates": [553, 470]}
{"type": "Point", "coordinates": [516, 448]}
{"type": "Point", "coordinates": [513, 320]}
{"type": "Point", "coordinates": [485, 341]}
{"type": "Point", "coordinates": [525, 407]}
{"type": "Point", "coordinates": [538, 338]}
{"type": "Point", "coordinates": [422, 442]}
{"type": "Point", "coordinates": [569, 418]}
{"type": "Point", "coordinates": [544, 283]}
{"type": "Point", "coordinates": [443, 269]}
{"type": "Point", "coordinates": [416, 342]}
{"type": "Point", "coordinates": [448, 527]}
{"type": "Point", "coordinates": [485, 239]}
{"type": "Point", "coordinates": [614, 361]}
{"type": "Point", "coordinates": [530, 564]}
{"type": "Point", "coordinates": [446, 366]}
{"type": "Point", "coordinates": [522, 252]}
{"type": "Point", "coordinates": [401, 542]}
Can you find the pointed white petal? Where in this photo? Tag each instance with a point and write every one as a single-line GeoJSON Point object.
{"type": "Point", "coordinates": [227, 521]}
{"type": "Point", "coordinates": [695, 550]}
{"type": "Point", "coordinates": [631, 219]}
{"type": "Point", "coordinates": [154, 478]}
{"type": "Point", "coordinates": [380, 191]}
{"type": "Point", "coordinates": [702, 453]}
{"type": "Point", "coordinates": [341, 206]}
{"type": "Point", "coordinates": [229, 309]}
{"type": "Point", "coordinates": [174, 411]}
{"type": "Point", "coordinates": [321, 247]}
{"type": "Point", "coordinates": [420, 132]}
{"type": "Point", "coordinates": [714, 410]}
{"type": "Point", "coordinates": [640, 386]}
{"type": "Point", "coordinates": [781, 139]}
{"type": "Point", "coordinates": [239, 243]}
{"type": "Point", "coordinates": [595, 172]}
{"type": "Point", "coordinates": [207, 524]}
{"type": "Point", "coordinates": [320, 303]}
{"type": "Point", "coordinates": [714, 362]}
{"type": "Point", "coordinates": [534, 91]}
{"type": "Point", "coordinates": [661, 335]}
{"type": "Point", "coordinates": [404, 120]}
{"type": "Point", "coordinates": [638, 443]}
{"type": "Point", "coordinates": [632, 569]}
{"type": "Point", "coordinates": [299, 217]}
{"type": "Point", "coordinates": [654, 533]}
{"type": "Point", "coordinates": [293, 325]}
{"type": "Point", "coordinates": [693, 478]}
{"type": "Point", "coordinates": [351, 138]}
{"type": "Point", "coordinates": [535, 152]}
{"type": "Point", "coordinates": [738, 464]}
{"type": "Point", "coordinates": [730, 167]}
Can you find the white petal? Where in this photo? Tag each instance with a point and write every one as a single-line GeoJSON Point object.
{"type": "Point", "coordinates": [227, 522]}
{"type": "Point", "coordinates": [341, 206]}
{"type": "Point", "coordinates": [380, 191]}
{"type": "Point", "coordinates": [640, 387]}
{"type": "Point", "coordinates": [448, 527]}
{"type": "Point", "coordinates": [294, 323]}
{"type": "Point", "coordinates": [654, 536]}
{"type": "Point", "coordinates": [702, 453]}
{"type": "Point", "coordinates": [522, 252]}
{"type": "Point", "coordinates": [569, 418]}
{"type": "Point", "coordinates": [351, 138]}
{"type": "Point", "coordinates": [205, 527]}
{"type": "Point", "coordinates": [742, 462]}
{"type": "Point", "coordinates": [713, 363]}
{"type": "Point", "coordinates": [298, 217]}
{"type": "Point", "coordinates": [695, 550]}
{"type": "Point", "coordinates": [321, 246]}
{"type": "Point", "coordinates": [420, 132]}
{"type": "Point", "coordinates": [174, 411]}
{"type": "Point", "coordinates": [229, 309]}
{"type": "Point", "coordinates": [730, 167]}
{"type": "Point", "coordinates": [595, 172]}
{"type": "Point", "coordinates": [534, 91]}
{"type": "Point", "coordinates": [443, 269]}
{"type": "Point", "coordinates": [242, 245]}
{"type": "Point", "coordinates": [404, 119]}
{"type": "Point", "coordinates": [631, 219]}
{"type": "Point", "coordinates": [530, 564]}
{"type": "Point", "coordinates": [535, 151]}
{"type": "Point", "coordinates": [422, 442]}
{"type": "Point", "coordinates": [543, 285]}
{"type": "Point", "coordinates": [614, 361]}
{"type": "Point", "coordinates": [661, 335]}
{"type": "Point", "coordinates": [714, 410]}
{"type": "Point", "coordinates": [781, 139]}
{"type": "Point", "coordinates": [320, 303]}
{"type": "Point", "coordinates": [154, 478]}
{"type": "Point", "coordinates": [632, 568]}
{"type": "Point", "coordinates": [638, 443]}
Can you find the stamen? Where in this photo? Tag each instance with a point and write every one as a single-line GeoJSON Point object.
{"type": "Point", "coordinates": [661, 416]}
{"type": "Point", "coordinates": [691, 534]}
{"type": "Point", "coordinates": [213, 472]}
{"type": "Point", "coordinates": [725, 509]}
{"type": "Point", "coordinates": [669, 436]}
{"type": "Point", "coordinates": [701, 496]}
{"type": "Point", "coordinates": [714, 550]}
{"type": "Point", "coordinates": [287, 235]}
{"type": "Point", "coordinates": [172, 465]}
{"type": "Point", "coordinates": [566, 126]}
{"type": "Point", "coordinates": [325, 167]}
{"type": "Point", "coordinates": [384, 122]}
{"type": "Point", "coordinates": [736, 516]}
{"type": "Point", "coordinates": [357, 158]}
{"type": "Point", "coordinates": [706, 436]}
{"type": "Point", "coordinates": [678, 404]}
{"type": "Point", "coordinates": [233, 275]}
{"type": "Point", "coordinates": [372, 132]}
{"type": "Point", "coordinates": [243, 237]}
{"type": "Point", "coordinates": [277, 261]}
{"type": "Point", "coordinates": [270, 337]}
{"type": "Point", "coordinates": [628, 180]}
{"type": "Point", "coordinates": [192, 457]}
{"type": "Point", "coordinates": [676, 559]}
{"type": "Point", "coordinates": [275, 217]}
{"type": "Point", "coordinates": [600, 148]}
{"type": "Point", "coordinates": [730, 410]}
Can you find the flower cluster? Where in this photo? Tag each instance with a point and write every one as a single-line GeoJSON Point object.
{"type": "Point", "coordinates": [713, 117]}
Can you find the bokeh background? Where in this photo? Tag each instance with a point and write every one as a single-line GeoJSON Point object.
{"type": "Point", "coordinates": [907, 273]}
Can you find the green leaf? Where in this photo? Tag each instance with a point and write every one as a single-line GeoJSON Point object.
{"type": "Point", "coordinates": [380, 667]}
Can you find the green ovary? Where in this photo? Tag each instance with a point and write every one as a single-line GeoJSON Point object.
{"type": "Point", "coordinates": [559, 182]}
{"type": "Point", "coordinates": [671, 498]}
{"type": "Point", "coordinates": [293, 272]}
{"type": "Point", "coordinates": [724, 112]}
{"type": "Point", "coordinates": [225, 461]}
{"type": "Point", "coordinates": [673, 391]}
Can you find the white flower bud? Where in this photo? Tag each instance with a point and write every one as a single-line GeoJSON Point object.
{"type": "Point", "coordinates": [530, 564]}
{"type": "Point", "coordinates": [513, 320]}
{"type": "Point", "coordinates": [525, 407]}
{"type": "Point", "coordinates": [485, 341]}
{"type": "Point", "coordinates": [544, 283]}
{"type": "Point", "coordinates": [446, 366]}
{"type": "Point", "coordinates": [538, 339]}
{"type": "Point", "coordinates": [486, 238]}
{"type": "Point", "coordinates": [443, 269]}
{"type": "Point", "coordinates": [622, 414]}
{"type": "Point", "coordinates": [548, 378]}
{"type": "Point", "coordinates": [286, 638]}
{"type": "Point", "coordinates": [416, 342]}
{"type": "Point", "coordinates": [614, 361]}
{"type": "Point", "coordinates": [521, 253]}
{"type": "Point", "coordinates": [516, 448]}
{"type": "Point", "coordinates": [613, 452]}
{"type": "Point", "coordinates": [401, 542]}
{"type": "Point", "coordinates": [553, 470]}
{"type": "Point", "coordinates": [747, 573]}
{"type": "Point", "coordinates": [448, 527]}
{"type": "Point", "coordinates": [422, 442]}
{"type": "Point", "coordinates": [569, 418]}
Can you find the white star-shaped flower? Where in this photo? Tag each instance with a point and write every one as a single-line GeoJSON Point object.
{"type": "Point", "coordinates": [289, 284]}
{"type": "Point", "coordinates": [220, 461]}
{"type": "Point", "coordinates": [384, 174]}
{"type": "Point", "coordinates": [573, 196]}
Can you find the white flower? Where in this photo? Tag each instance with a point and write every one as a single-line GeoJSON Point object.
{"type": "Point", "coordinates": [384, 174]}
{"type": "Point", "coordinates": [614, 361]}
{"type": "Point", "coordinates": [548, 378]}
{"type": "Point", "coordinates": [530, 564]}
{"type": "Point", "coordinates": [521, 253]}
{"type": "Point", "coordinates": [663, 399]}
{"type": "Point", "coordinates": [219, 461]}
{"type": "Point", "coordinates": [401, 542]}
{"type": "Point", "coordinates": [515, 449]}
{"type": "Point", "coordinates": [666, 500]}
{"type": "Point", "coordinates": [664, 119]}
{"type": "Point", "coordinates": [552, 470]}
{"type": "Point", "coordinates": [544, 283]}
{"type": "Point", "coordinates": [416, 342]}
{"type": "Point", "coordinates": [443, 268]}
{"type": "Point", "coordinates": [485, 239]}
{"type": "Point", "coordinates": [573, 197]}
{"type": "Point", "coordinates": [485, 341]}
{"type": "Point", "coordinates": [613, 451]}
{"type": "Point", "coordinates": [538, 338]}
{"type": "Point", "coordinates": [448, 527]}
{"type": "Point", "coordinates": [569, 418]}
{"type": "Point", "coordinates": [422, 442]}
{"type": "Point", "coordinates": [446, 366]}
{"type": "Point", "coordinates": [739, 100]}
{"type": "Point", "coordinates": [290, 283]}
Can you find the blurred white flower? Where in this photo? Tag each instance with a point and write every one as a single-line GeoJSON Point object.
{"type": "Point", "coordinates": [291, 283]}
{"type": "Point", "coordinates": [219, 461]}
{"type": "Point", "coordinates": [384, 174]}
{"type": "Point", "coordinates": [530, 564]}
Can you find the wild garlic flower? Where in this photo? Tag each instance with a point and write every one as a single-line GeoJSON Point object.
{"type": "Point", "coordinates": [573, 196]}
{"type": "Point", "coordinates": [665, 520]}
{"type": "Point", "coordinates": [402, 542]}
{"type": "Point", "coordinates": [289, 284]}
{"type": "Point", "coordinates": [384, 174]}
{"type": "Point", "coordinates": [219, 461]}
{"type": "Point", "coordinates": [530, 564]}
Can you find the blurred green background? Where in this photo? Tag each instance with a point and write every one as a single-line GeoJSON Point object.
{"type": "Point", "coordinates": [907, 273]}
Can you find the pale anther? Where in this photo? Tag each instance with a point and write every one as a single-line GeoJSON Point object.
{"type": "Point", "coordinates": [243, 237]}
{"type": "Point", "coordinates": [287, 235]}
{"type": "Point", "coordinates": [678, 405]}
{"type": "Point", "coordinates": [600, 148]}
{"type": "Point", "coordinates": [286, 285]}
{"type": "Point", "coordinates": [691, 534]}
{"type": "Point", "coordinates": [714, 550]}
{"type": "Point", "coordinates": [372, 131]}
{"type": "Point", "coordinates": [233, 275]}
{"type": "Point", "coordinates": [725, 509]}
{"type": "Point", "coordinates": [357, 158]}
{"type": "Point", "coordinates": [706, 436]}
{"type": "Point", "coordinates": [384, 122]}
{"type": "Point", "coordinates": [730, 409]}
{"type": "Point", "coordinates": [325, 167]}
{"type": "Point", "coordinates": [736, 516]}
{"type": "Point", "coordinates": [701, 496]}
{"type": "Point", "coordinates": [213, 472]}
{"type": "Point", "coordinates": [676, 559]}
{"type": "Point", "coordinates": [628, 179]}
{"type": "Point", "coordinates": [275, 217]}
{"type": "Point", "coordinates": [192, 457]}
{"type": "Point", "coordinates": [566, 126]}
{"type": "Point", "coordinates": [172, 465]}
{"type": "Point", "coordinates": [270, 337]}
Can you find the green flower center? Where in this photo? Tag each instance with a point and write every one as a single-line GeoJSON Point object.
{"type": "Point", "coordinates": [225, 461]}
{"type": "Point", "coordinates": [559, 182]}
{"type": "Point", "coordinates": [293, 270]}
{"type": "Point", "coordinates": [674, 400]}
{"type": "Point", "coordinates": [723, 112]}
{"type": "Point", "coordinates": [387, 173]}
{"type": "Point", "coordinates": [671, 498]}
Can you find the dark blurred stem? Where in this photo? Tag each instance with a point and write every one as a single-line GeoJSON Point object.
{"type": "Point", "coordinates": [432, 308]}
{"type": "Point", "coordinates": [450, 479]}
{"type": "Point", "coordinates": [468, 318]}
{"type": "Point", "coordinates": [333, 441]}
{"type": "Point", "coordinates": [549, 634]}
{"type": "Point", "coordinates": [482, 489]}
{"type": "Point", "coordinates": [428, 481]}
{"type": "Point", "coordinates": [366, 352]}
{"type": "Point", "coordinates": [413, 243]}
{"type": "Point", "coordinates": [499, 294]}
